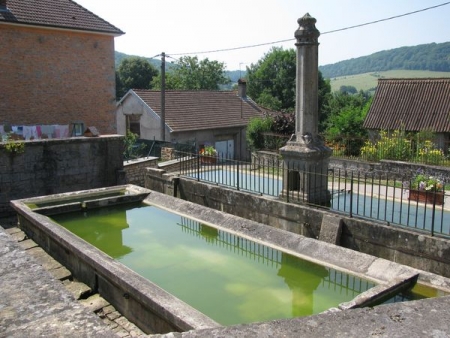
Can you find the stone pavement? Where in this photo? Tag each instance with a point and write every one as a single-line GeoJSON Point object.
{"type": "Point", "coordinates": [39, 299]}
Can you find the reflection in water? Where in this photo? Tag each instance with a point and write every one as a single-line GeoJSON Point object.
{"type": "Point", "coordinates": [229, 278]}
{"type": "Point", "coordinates": [101, 227]}
{"type": "Point", "coordinates": [302, 277]}
{"type": "Point", "coordinates": [302, 287]}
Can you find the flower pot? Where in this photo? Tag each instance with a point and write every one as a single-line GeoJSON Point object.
{"type": "Point", "coordinates": [426, 196]}
{"type": "Point", "coordinates": [208, 160]}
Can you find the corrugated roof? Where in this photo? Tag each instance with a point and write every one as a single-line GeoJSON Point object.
{"type": "Point", "coordinates": [199, 110]}
{"type": "Point", "coordinates": [56, 13]}
{"type": "Point", "coordinates": [411, 104]}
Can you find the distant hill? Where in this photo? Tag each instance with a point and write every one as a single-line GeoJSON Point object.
{"type": "Point", "coordinates": [429, 57]}
{"type": "Point", "coordinates": [369, 81]}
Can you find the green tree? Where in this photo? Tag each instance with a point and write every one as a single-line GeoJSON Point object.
{"type": "Point", "coordinates": [191, 74]}
{"type": "Point", "coordinates": [271, 81]}
{"type": "Point", "coordinates": [134, 72]}
{"type": "Point", "coordinates": [120, 90]}
{"type": "Point", "coordinates": [345, 124]}
{"type": "Point", "coordinates": [255, 132]}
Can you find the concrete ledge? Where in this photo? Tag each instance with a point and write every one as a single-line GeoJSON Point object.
{"type": "Point", "coordinates": [426, 318]}
{"type": "Point", "coordinates": [380, 293]}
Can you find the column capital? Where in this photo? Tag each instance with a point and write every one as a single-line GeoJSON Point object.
{"type": "Point", "coordinates": [307, 33]}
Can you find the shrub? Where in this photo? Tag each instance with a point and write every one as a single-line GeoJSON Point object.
{"type": "Point", "coordinates": [132, 148]}
{"type": "Point", "coordinates": [256, 127]}
{"type": "Point", "coordinates": [14, 146]}
{"type": "Point", "coordinates": [370, 152]}
{"type": "Point", "coordinates": [428, 153]}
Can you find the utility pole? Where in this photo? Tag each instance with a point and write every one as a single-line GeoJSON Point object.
{"type": "Point", "coordinates": [163, 96]}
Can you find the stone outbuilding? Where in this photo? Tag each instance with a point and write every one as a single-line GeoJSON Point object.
{"type": "Point", "coordinates": [208, 118]}
{"type": "Point", "coordinates": [412, 105]}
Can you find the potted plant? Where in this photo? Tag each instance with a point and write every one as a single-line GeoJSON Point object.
{"type": "Point", "coordinates": [426, 188]}
{"type": "Point", "coordinates": [208, 155]}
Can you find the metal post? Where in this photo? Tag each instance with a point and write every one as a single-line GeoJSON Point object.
{"type": "Point", "coordinates": [351, 195]}
{"type": "Point", "coordinates": [198, 167]}
{"type": "Point", "coordinates": [237, 176]}
{"type": "Point", "coordinates": [434, 212]}
{"type": "Point", "coordinates": [163, 96]}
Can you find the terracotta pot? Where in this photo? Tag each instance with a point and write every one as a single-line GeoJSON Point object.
{"type": "Point", "coordinates": [208, 160]}
{"type": "Point", "coordinates": [425, 196]}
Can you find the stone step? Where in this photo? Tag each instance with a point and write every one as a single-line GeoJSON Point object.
{"type": "Point", "coordinates": [77, 289]}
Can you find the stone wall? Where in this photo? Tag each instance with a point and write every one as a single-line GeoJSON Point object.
{"type": "Point", "coordinates": [375, 238]}
{"type": "Point", "coordinates": [394, 169]}
{"type": "Point", "coordinates": [135, 169]}
{"type": "Point", "coordinates": [167, 154]}
{"type": "Point", "coordinates": [57, 166]}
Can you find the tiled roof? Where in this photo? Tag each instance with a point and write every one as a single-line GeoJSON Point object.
{"type": "Point", "coordinates": [199, 110]}
{"type": "Point", "coordinates": [410, 104]}
{"type": "Point", "coordinates": [55, 13]}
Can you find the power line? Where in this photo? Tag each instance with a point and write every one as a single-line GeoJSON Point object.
{"type": "Point", "coordinates": [328, 32]}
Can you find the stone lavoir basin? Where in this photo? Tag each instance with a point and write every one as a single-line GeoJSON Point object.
{"type": "Point", "coordinates": [170, 265]}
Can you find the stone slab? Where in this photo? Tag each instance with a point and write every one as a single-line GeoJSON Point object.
{"type": "Point", "coordinates": [28, 244]}
{"type": "Point", "coordinates": [331, 229]}
{"type": "Point", "coordinates": [77, 289]}
{"type": "Point", "coordinates": [19, 236]}
{"type": "Point", "coordinates": [61, 273]}
{"type": "Point", "coordinates": [95, 303]}
{"type": "Point", "coordinates": [33, 304]}
{"type": "Point", "coordinates": [44, 259]}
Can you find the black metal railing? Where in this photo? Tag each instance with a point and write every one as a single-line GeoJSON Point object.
{"type": "Point", "coordinates": [397, 146]}
{"type": "Point", "coordinates": [378, 196]}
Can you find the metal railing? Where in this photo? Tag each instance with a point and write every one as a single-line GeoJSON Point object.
{"type": "Point", "coordinates": [399, 148]}
{"type": "Point", "coordinates": [377, 196]}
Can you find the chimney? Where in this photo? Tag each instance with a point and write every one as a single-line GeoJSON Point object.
{"type": "Point", "coordinates": [242, 88]}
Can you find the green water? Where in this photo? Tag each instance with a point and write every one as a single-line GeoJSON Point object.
{"type": "Point", "coordinates": [228, 278]}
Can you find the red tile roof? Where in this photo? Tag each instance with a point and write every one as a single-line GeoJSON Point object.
{"type": "Point", "coordinates": [410, 104]}
{"type": "Point", "coordinates": [65, 14]}
{"type": "Point", "coordinates": [199, 110]}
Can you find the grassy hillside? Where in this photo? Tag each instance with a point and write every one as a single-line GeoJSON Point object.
{"type": "Point", "coordinates": [432, 57]}
{"type": "Point", "coordinates": [368, 81]}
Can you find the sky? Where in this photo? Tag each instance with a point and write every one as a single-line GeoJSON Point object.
{"type": "Point", "coordinates": [180, 27]}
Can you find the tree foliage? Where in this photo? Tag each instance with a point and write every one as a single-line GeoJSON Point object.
{"type": "Point", "coordinates": [271, 81]}
{"type": "Point", "coordinates": [134, 72]}
{"type": "Point", "coordinates": [255, 132]}
{"type": "Point", "coordinates": [344, 124]}
{"type": "Point", "coordinates": [191, 74]}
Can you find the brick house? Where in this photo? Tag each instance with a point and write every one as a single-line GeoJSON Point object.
{"type": "Point", "coordinates": [57, 65]}
{"type": "Point", "coordinates": [412, 105]}
{"type": "Point", "coordinates": [217, 118]}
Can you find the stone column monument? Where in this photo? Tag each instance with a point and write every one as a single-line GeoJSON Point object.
{"type": "Point", "coordinates": [305, 156]}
